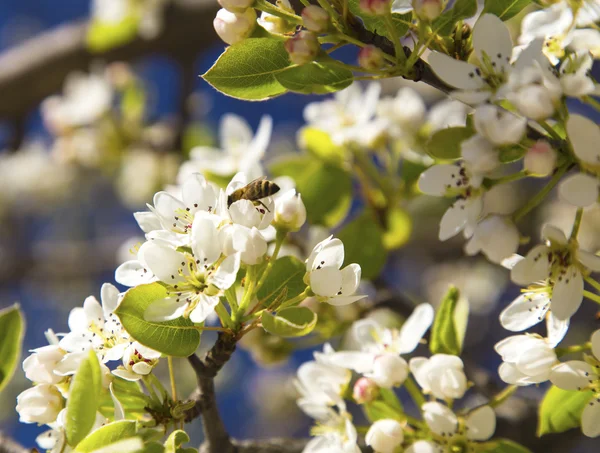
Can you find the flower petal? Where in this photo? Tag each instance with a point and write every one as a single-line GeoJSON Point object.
{"type": "Point", "coordinates": [226, 274]}
{"type": "Point", "coordinates": [147, 221]}
{"type": "Point", "coordinates": [205, 240]}
{"type": "Point", "coordinates": [481, 423]}
{"type": "Point", "coordinates": [509, 373]}
{"type": "Point", "coordinates": [109, 295]}
{"type": "Point", "coordinates": [596, 344]}
{"type": "Point", "coordinates": [572, 375]}
{"type": "Point", "coordinates": [557, 329]}
{"type": "Point", "coordinates": [133, 273]}
{"type": "Point", "coordinates": [537, 361]}
{"type": "Point", "coordinates": [567, 293]}
{"type": "Point", "coordinates": [492, 38]}
{"type": "Point", "coordinates": [525, 311]}
{"type": "Point", "coordinates": [438, 179]}
{"type": "Point", "coordinates": [424, 446]}
{"type": "Point", "coordinates": [197, 194]}
{"type": "Point", "coordinates": [579, 189]}
{"type": "Point", "coordinates": [554, 235]}
{"type": "Point", "coordinates": [167, 206]}
{"type": "Point", "coordinates": [361, 362]}
{"type": "Point", "coordinates": [234, 133]}
{"type": "Point", "coordinates": [163, 261]}
{"type": "Point", "coordinates": [455, 73]}
{"type": "Point", "coordinates": [414, 328]}
{"type": "Point", "coordinates": [326, 282]}
{"type": "Point", "coordinates": [584, 135]}
{"type": "Point", "coordinates": [204, 309]}
{"type": "Point", "coordinates": [461, 214]}
{"type": "Point", "coordinates": [590, 419]}
{"type": "Point", "coordinates": [331, 255]}
{"type": "Point", "coordinates": [439, 418]}
{"type": "Point", "coordinates": [164, 310]}
{"type": "Point", "coordinates": [589, 260]}
{"type": "Point", "coordinates": [350, 279]}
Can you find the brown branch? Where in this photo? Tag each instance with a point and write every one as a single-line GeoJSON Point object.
{"type": "Point", "coordinates": [9, 445]}
{"type": "Point", "coordinates": [37, 68]}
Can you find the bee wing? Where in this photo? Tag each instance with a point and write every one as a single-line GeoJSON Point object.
{"type": "Point", "coordinates": [254, 181]}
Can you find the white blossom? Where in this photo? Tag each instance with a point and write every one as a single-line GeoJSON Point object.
{"type": "Point", "coordinates": [234, 27]}
{"type": "Point", "coordinates": [138, 361]}
{"type": "Point", "coordinates": [385, 435]}
{"type": "Point", "coordinates": [290, 212]}
{"type": "Point", "coordinates": [497, 237]}
{"type": "Point", "coordinates": [540, 159]}
{"type": "Point", "coordinates": [499, 126]}
{"type": "Point", "coordinates": [39, 404]}
{"type": "Point", "coordinates": [275, 24]}
{"type": "Point", "coordinates": [441, 375]}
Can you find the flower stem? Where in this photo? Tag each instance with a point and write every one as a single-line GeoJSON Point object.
{"type": "Point", "coordinates": [593, 102]}
{"type": "Point", "coordinates": [264, 5]}
{"type": "Point", "coordinates": [414, 392]}
{"type": "Point", "coordinates": [489, 183]}
{"type": "Point", "coordinates": [295, 300]}
{"type": "Point", "coordinates": [550, 131]}
{"type": "Point", "coordinates": [279, 238]}
{"type": "Point", "coordinates": [502, 396]}
{"type": "Point", "coordinates": [223, 315]}
{"type": "Point", "coordinates": [389, 24]}
{"type": "Point", "coordinates": [592, 282]}
{"type": "Point", "coordinates": [575, 348]}
{"type": "Point", "coordinates": [576, 224]}
{"type": "Point", "coordinates": [172, 378]}
{"type": "Point", "coordinates": [592, 296]}
{"type": "Point", "coordinates": [539, 197]}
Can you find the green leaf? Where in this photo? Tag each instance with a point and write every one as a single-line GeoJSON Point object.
{"type": "Point", "coordinates": [561, 410]}
{"type": "Point", "coordinates": [326, 189]}
{"type": "Point", "coordinates": [391, 399]}
{"type": "Point", "coordinates": [462, 9]}
{"type": "Point", "coordinates": [107, 435]}
{"type": "Point", "coordinates": [378, 410]}
{"type": "Point", "coordinates": [398, 228]}
{"type": "Point", "coordinates": [12, 329]}
{"type": "Point", "coordinates": [128, 394]}
{"type": "Point", "coordinates": [102, 36]}
{"type": "Point", "coordinates": [287, 273]}
{"type": "Point", "coordinates": [445, 336]}
{"type": "Point", "coordinates": [175, 440]}
{"type": "Point", "coordinates": [445, 143]}
{"type": "Point", "coordinates": [376, 24]}
{"type": "Point", "coordinates": [508, 446]}
{"type": "Point", "coordinates": [84, 395]}
{"type": "Point", "coordinates": [290, 322]}
{"type": "Point", "coordinates": [152, 447]}
{"type": "Point", "coordinates": [504, 9]}
{"type": "Point", "coordinates": [177, 338]}
{"type": "Point", "coordinates": [319, 144]}
{"type": "Point", "coordinates": [260, 68]}
{"type": "Point", "coordinates": [363, 244]}
{"type": "Point", "coordinates": [511, 153]}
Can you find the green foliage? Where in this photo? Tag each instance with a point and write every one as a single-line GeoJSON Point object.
{"type": "Point", "coordinates": [363, 244]}
{"type": "Point", "coordinates": [326, 189]}
{"type": "Point", "coordinates": [287, 273]}
{"type": "Point", "coordinates": [511, 153]}
{"type": "Point", "coordinates": [12, 328]}
{"type": "Point", "coordinates": [387, 405]}
{"type": "Point", "coordinates": [128, 393]}
{"type": "Point", "coordinates": [445, 143]}
{"type": "Point", "coordinates": [107, 435]}
{"type": "Point", "coordinates": [175, 441]}
{"type": "Point", "coordinates": [259, 68]}
{"type": "Point", "coordinates": [84, 395]}
{"type": "Point", "coordinates": [447, 334]}
{"type": "Point", "coordinates": [398, 228]}
{"type": "Point", "coordinates": [561, 410]}
{"type": "Point", "coordinates": [290, 322]}
{"type": "Point", "coordinates": [462, 9]}
{"type": "Point", "coordinates": [505, 9]}
{"type": "Point", "coordinates": [376, 24]}
{"type": "Point", "coordinates": [319, 144]}
{"type": "Point", "coordinates": [103, 36]}
{"type": "Point", "coordinates": [177, 338]}
{"type": "Point", "coordinates": [508, 446]}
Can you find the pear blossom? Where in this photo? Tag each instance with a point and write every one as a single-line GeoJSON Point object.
{"type": "Point", "coordinates": [479, 155]}
{"type": "Point", "coordinates": [540, 159]}
{"type": "Point", "coordinates": [441, 375]}
{"type": "Point", "coordinates": [365, 390]}
{"type": "Point", "coordinates": [584, 377]}
{"type": "Point", "coordinates": [375, 7]}
{"type": "Point", "coordinates": [315, 19]}
{"type": "Point", "coordinates": [138, 361]}
{"type": "Point", "coordinates": [194, 282]}
{"type": "Point", "coordinates": [330, 283]}
{"type": "Point", "coordinates": [574, 75]}
{"type": "Point", "coordinates": [276, 24]}
{"type": "Point", "coordinates": [371, 58]}
{"type": "Point", "coordinates": [459, 181]}
{"type": "Point", "coordinates": [236, 5]}
{"type": "Point", "coordinates": [40, 365]}
{"type": "Point", "coordinates": [385, 435]}
{"type": "Point", "coordinates": [239, 150]}
{"type": "Point", "coordinates": [337, 434]}
{"type": "Point", "coordinates": [290, 212]}
{"type": "Point", "coordinates": [234, 27]}
{"type": "Point", "coordinates": [529, 359]}
{"type": "Point", "coordinates": [497, 237]}
{"type": "Point", "coordinates": [303, 47]}
{"type": "Point", "coordinates": [39, 404]}
{"type": "Point", "coordinates": [494, 49]}
{"type": "Point", "coordinates": [582, 189]}
{"type": "Point", "coordinates": [499, 126]}
{"type": "Point", "coordinates": [560, 265]}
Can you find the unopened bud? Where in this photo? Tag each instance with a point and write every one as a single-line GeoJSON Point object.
{"type": "Point", "coordinates": [365, 391]}
{"type": "Point", "coordinates": [540, 159]}
{"type": "Point", "coordinates": [385, 435]}
{"type": "Point", "coordinates": [371, 58]}
{"type": "Point", "coordinates": [236, 6]}
{"type": "Point", "coordinates": [232, 27]}
{"type": "Point", "coordinates": [375, 7]}
{"type": "Point", "coordinates": [315, 19]}
{"type": "Point", "coordinates": [303, 48]}
{"type": "Point", "coordinates": [428, 9]}
{"type": "Point", "coordinates": [389, 370]}
{"type": "Point", "coordinates": [290, 212]}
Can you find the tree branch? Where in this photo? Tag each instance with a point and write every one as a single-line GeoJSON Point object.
{"type": "Point", "coordinates": [37, 68]}
{"type": "Point", "coordinates": [9, 445]}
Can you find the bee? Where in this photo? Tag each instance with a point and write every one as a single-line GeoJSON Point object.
{"type": "Point", "coordinates": [254, 191]}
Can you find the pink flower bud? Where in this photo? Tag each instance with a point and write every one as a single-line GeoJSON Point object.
{"type": "Point", "coordinates": [375, 7]}
{"type": "Point", "coordinates": [540, 159]}
{"type": "Point", "coordinates": [234, 27]}
{"type": "Point", "coordinates": [428, 9]}
{"type": "Point", "coordinates": [303, 48]}
{"type": "Point", "coordinates": [371, 58]}
{"type": "Point", "coordinates": [236, 6]}
{"type": "Point", "coordinates": [315, 19]}
{"type": "Point", "coordinates": [365, 390]}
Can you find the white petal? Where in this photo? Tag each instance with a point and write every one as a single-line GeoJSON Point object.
{"type": "Point", "coordinates": [511, 261]}
{"type": "Point", "coordinates": [133, 273]}
{"type": "Point", "coordinates": [243, 212]}
{"type": "Point", "coordinates": [511, 375]}
{"type": "Point", "coordinates": [579, 189]}
{"type": "Point", "coordinates": [361, 362]}
{"type": "Point", "coordinates": [554, 234]}
{"type": "Point", "coordinates": [573, 375]}
{"type": "Point", "coordinates": [226, 274]}
{"type": "Point", "coordinates": [458, 216]}
{"type": "Point", "coordinates": [439, 418]}
{"type": "Point", "coordinates": [511, 347]}
{"type": "Point", "coordinates": [402, 6]}
{"type": "Point", "coordinates": [164, 310]}
{"type": "Point", "coordinates": [109, 295]}
{"type": "Point", "coordinates": [491, 36]}
{"type": "Point", "coordinates": [350, 279]}
{"type": "Point", "coordinates": [536, 361]}
{"type": "Point", "coordinates": [204, 309]}
{"type": "Point", "coordinates": [238, 181]}
{"type": "Point", "coordinates": [364, 332]}
{"type": "Point", "coordinates": [326, 281]}
{"type": "Point", "coordinates": [331, 255]}
{"type": "Point", "coordinates": [78, 321]}
{"type": "Point", "coordinates": [424, 446]}
{"type": "Point", "coordinates": [205, 240]}
{"type": "Point", "coordinates": [557, 329]}
{"type": "Point", "coordinates": [258, 146]}
{"type": "Point", "coordinates": [567, 293]}
{"type": "Point", "coordinates": [589, 260]}
{"type": "Point", "coordinates": [596, 344]}
{"type": "Point", "coordinates": [234, 132]}
{"type": "Point", "coordinates": [590, 419]}
{"type": "Point", "coordinates": [454, 72]}
{"type": "Point", "coordinates": [93, 310]}
{"type": "Point", "coordinates": [418, 367]}
{"type": "Point", "coordinates": [340, 301]}
{"type": "Point", "coordinates": [126, 374]}
{"type": "Point", "coordinates": [147, 221]}
{"type": "Point", "coordinates": [414, 328]}
{"type": "Point", "coordinates": [525, 311]}
{"type": "Point", "coordinates": [471, 97]}
{"type": "Point", "coordinates": [481, 423]}
{"type": "Point", "coordinates": [584, 135]}
{"type": "Point", "coordinates": [163, 261]}
{"type": "Point", "coordinates": [198, 194]}
{"type": "Point", "coordinates": [167, 207]}
{"type": "Point", "coordinates": [436, 180]}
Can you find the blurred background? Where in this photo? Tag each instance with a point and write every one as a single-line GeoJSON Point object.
{"type": "Point", "coordinates": [87, 106]}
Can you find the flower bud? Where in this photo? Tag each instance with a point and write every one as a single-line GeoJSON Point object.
{"type": "Point", "coordinates": [389, 370]}
{"type": "Point", "coordinates": [385, 435]}
{"type": "Point", "coordinates": [441, 375]}
{"type": "Point", "coordinates": [375, 7]}
{"type": "Point", "coordinates": [365, 390]}
{"type": "Point", "coordinates": [428, 9]}
{"type": "Point", "coordinates": [540, 159]}
{"type": "Point", "coordinates": [39, 367]}
{"type": "Point", "coordinates": [371, 58]}
{"type": "Point", "coordinates": [303, 48]}
{"type": "Point", "coordinates": [234, 27]}
{"type": "Point", "coordinates": [40, 404]}
{"type": "Point", "coordinates": [236, 6]}
{"type": "Point", "coordinates": [290, 213]}
{"type": "Point", "coordinates": [315, 19]}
